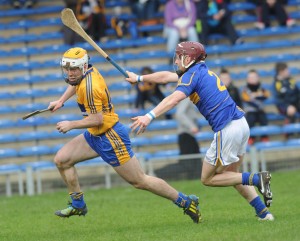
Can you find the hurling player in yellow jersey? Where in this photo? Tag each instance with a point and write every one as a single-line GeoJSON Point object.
{"type": "Point", "coordinates": [105, 136]}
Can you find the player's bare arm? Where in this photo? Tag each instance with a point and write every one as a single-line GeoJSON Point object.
{"type": "Point", "coordinates": [70, 91]}
{"type": "Point", "coordinates": [91, 121]}
{"type": "Point", "coordinates": [161, 77]}
{"type": "Point", "coordinates": [141, 122]}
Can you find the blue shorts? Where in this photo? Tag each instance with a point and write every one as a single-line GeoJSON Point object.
{"type": "Point", "coordinates": [114, 146]}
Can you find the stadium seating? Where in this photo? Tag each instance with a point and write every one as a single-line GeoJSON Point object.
{"type": "Point", "coordinates": [10, 169]}
{"type": "Point", "coordinates": [27, 83]}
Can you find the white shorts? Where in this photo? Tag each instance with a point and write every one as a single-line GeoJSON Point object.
{"type": "Point", "coordinates": [229, 143]}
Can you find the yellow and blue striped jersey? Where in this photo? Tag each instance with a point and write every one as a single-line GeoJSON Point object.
{"type": "Point", "coordinates": [93, 97]}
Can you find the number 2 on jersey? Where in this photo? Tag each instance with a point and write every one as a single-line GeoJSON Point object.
{"type": "Point", "coordinates": [220, 85]}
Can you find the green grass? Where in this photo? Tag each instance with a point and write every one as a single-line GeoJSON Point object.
{"type": "Point", "coordinates": [129, 214]}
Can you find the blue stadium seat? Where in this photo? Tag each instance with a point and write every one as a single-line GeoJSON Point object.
{"type": "Point", "coordinates": [241, 6]}
{"type": "Point", "coordinates": [39, 165]}
{"type": "Point", "coordinates": [5, 95]}
{"type": "Point", "coordinates": [55, 91]}
{"type": "Point", "coordinates": [29, 93]}
{"type": "Point", "coordinates": [56, 148]}
{"type": "Point", "coordinates": [123, 57]}
{"type": "Point", "coordinates": [33, 136]}
{"type": "Point", "coordinates": [8, 169]}
{"type": "Point", "coordinates": [165, 153]}
{"type": "Point", "coordinates": [248, 60]}
{"type": "Point", "coordinates": [117, 86]}
{"type": "Point", "coordinates": [204, 136]}
{"type": "Point", "coordinates": [220, 62]}
{"type": "Point", "coordinates": [149, 41]}
{"type": "Point", "coordinates": [275, 117]}
{"type": "Point", "coordinates": [57, 135]}
{"type": "Point", "coordinates": [143, 155]}
{"type": "Point", "coordinates": [151, 28]}
{"type": "Point", "coordinates": [218, 49]}
{"type": "Point", "coordinates": [128, 113]}
{"type": "Point", "coordinates": [62, 117]}
{"type": "Point", "coordinates": [283, 57]}
{"type": "Point", "coordinates": [5, 67]}
{"type": "Point", "coordinates": [124, 99]}
{"type": "Point", "coordinates": [32, 121]}
{"type": "Point", "coordinates": [243, 18]}
{"type": "Point", "coordinates": [152, 54]}
{"type": "Point", "coordinates": [23, 108]}
{"type": "Point", "coordinates": [293, 143]}
{"type": "Point", "coordinates": [8, 152]}
{"type": "Point", "coordinates": [140, 141]}
{"type": "Point", "coordinates": [270, 145]}
{"type": "Point", "coordinates": [291, 128]}
{"type": "Point", "coordinates": [5, 109]}
{"type": "Point", "coordinates": [7, 138]}
{"type": "Point", "coordinates": [164, 139]}
{"type": "Point", "coordinates": [265, 130]}
{"type": "Point", "coordinates": [21, 80]}
{"type": "Point", "coordinates": [92, 162]}
{"type": "Point", "coordinates": [7, 123]}
{"type": "Point", "coordinates": [162, 125]}
{"type": "Point", "coordinates": [202, 122]}
{"type": "Point", "coordinates": [35, 151]}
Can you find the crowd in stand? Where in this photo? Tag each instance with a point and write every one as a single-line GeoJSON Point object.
{"type": "Point", "coordinates": [194, 20]}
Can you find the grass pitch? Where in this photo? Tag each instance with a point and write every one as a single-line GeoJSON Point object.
{"type": "Point", "coordinates": [128, 214]}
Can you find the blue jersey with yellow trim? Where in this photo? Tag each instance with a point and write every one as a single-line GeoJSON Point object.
{"type": "Point", "coordinates": [210, 95]}
{"type": "Point", "coordinates": [93, 97]}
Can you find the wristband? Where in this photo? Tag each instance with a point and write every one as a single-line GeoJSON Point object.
{"type": "Point", "coordinates": [139, 78]}
{"type": "Point", "coordinates": [151, 115]}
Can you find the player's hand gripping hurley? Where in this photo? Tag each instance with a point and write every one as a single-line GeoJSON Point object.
{"type": "Point", "coordinates": [68, 18]}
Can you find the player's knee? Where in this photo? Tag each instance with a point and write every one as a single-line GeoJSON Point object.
{"type": "Point", "coordinates": [139, 184]}
{"type": "Point", "coordinates": [206, 181]}
{"type": "Point", "coordinates": [60, 162]}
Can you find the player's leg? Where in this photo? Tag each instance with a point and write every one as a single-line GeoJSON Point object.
{"type": "Point", "coordinates": [250, 194]}
{"type": "Point", "coordinates": [227, 147]}
{"type": "Point", "coordinates": [132, 172]}
{"type": "Point", "coordinates": [74, 151]}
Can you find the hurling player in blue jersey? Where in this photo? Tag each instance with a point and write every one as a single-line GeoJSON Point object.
{"type": "Point", "coordinates": [225, 155]}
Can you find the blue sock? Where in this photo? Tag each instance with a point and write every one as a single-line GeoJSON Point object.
{"type": "Point", "coordinates": [260, 208]}
{"type": "Point", "coordinates": [77, 199]}
{"type": "Point", "coordinates": [250, 179]}
{"type": "Point", "coordinates": [182, 200]}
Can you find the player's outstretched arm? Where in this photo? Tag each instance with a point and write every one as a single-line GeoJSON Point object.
{"type": "Point", "coordinates": [140, 123]}
{"type": "Point", "coordinates": [161, 77]}
{"type": "Point", "coordinates": [55, 105]}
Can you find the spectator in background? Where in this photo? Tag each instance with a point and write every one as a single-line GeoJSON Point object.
{"type": "Point", "coordinates": [275, 8]}
{"type": "Point", "coordinates": [91, 16]}
{"type": "Point", "coordinates": [253, 97]}
{"type": "Point", "coordinates": [123, 26]}
{"type": "Point", "coordinates": [148, 92]}
{"type": "Point", "coordinates": [232, 89]}
{"type": "Point", "coordinates": [23, 3]}
{"type": "Point", "coordinates": [180, 19]}
{"type": "Point", "coordinates": [286, 93]}
{"type": "Point", "coordinates": [187, 119]}
{"type": "Point", "coordinates": [215, 17]}
{"type": "Point", "coordinates": [145, 12]}
{"type": "Point", "coordinates": [71, 37]}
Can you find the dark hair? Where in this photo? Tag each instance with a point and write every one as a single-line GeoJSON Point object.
{"type": "Point", "coordinates": [224, 71]}
{"type": "Point", "coordinates": [252, 71]}
{"type": "Point", "coordinates": [279, 67]}
{"type": "Point", "coordinates": [146, 70]}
